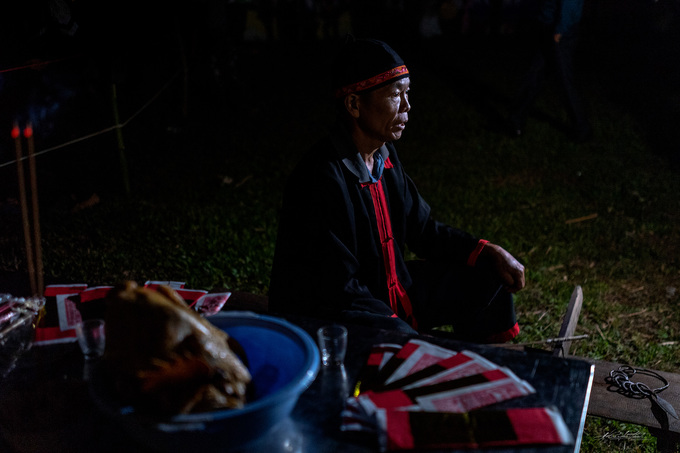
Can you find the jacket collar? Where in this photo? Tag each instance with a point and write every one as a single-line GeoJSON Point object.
{"type": "Point", "coordinates": [349, 155]}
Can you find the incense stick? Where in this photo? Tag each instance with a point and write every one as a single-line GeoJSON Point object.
{"type": "Point", "coordinates": [16, 135]}
{"type": "Point", "coordinates": [28, 133]}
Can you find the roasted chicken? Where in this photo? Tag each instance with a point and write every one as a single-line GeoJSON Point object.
{"type": "Point", "coordinates": [165, 358]}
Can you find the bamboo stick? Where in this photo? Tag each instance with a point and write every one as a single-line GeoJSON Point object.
{"type": "Point", "coordinates": [582, 219]}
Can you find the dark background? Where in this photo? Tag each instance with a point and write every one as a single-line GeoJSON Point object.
{"type": "Point", "coordinates": [79, 48]}
{"type": "Point", "coordinates": [209, 72]}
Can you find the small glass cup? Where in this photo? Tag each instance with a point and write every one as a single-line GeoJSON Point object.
{"type": "Point", "coordinates": [91, 338]}
{"type": "Point", "coordinates": [333, 344]}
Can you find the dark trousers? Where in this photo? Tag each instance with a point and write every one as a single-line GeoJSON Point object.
{"type": "Point", "coordinates": [468, 299]}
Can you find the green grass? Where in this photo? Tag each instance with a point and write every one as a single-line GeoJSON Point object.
{"type": "Point", "coordinates": [205, 204]}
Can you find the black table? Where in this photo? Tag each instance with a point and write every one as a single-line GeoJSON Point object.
{"type": "Point", "coordinates": [45, 404]}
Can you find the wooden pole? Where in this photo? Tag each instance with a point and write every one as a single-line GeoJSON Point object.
{"type": "Point", "coordinates": [16, 135]}
{"type": "Point", "coordinates": [37, 241]}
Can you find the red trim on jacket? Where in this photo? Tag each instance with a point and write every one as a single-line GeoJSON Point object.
{"type": "Point", "coordinates": [388, 163]}
{"type": "Point", "coordinates": [397, 293]}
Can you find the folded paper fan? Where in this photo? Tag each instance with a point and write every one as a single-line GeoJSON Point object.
{"type": "Point", "coordinates": [421, 395]}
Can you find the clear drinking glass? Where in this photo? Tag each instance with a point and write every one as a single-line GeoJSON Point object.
{"type": "Point", "coordinates": [91, 338]}
{"type": "Point", "coordinates": [333, 344]}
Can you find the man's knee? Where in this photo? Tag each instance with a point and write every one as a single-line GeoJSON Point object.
{"type": "Point", "coordinates": [376, 320]}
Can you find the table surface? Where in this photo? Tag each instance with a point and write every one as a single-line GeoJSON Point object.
{"type": "Point", "coordinates": [46, 404]}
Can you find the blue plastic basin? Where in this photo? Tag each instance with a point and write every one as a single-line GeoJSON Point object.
{"type": "Point", "coordinates": [283, 361]}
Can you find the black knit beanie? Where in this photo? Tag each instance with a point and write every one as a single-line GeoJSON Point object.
{"type": "Point", "coordinates": [365, 64]}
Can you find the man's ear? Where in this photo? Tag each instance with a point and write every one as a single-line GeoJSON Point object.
{"type": "Point", "coordinates": [352, 104]}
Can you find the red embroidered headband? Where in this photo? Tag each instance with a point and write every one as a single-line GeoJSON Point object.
{"type": "Point", "coordinates": [398, 72]}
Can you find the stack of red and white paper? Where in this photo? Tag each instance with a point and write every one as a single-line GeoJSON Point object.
{"type": "Point", "coordinates": [424, 396]}
{"type": "Point", "coordinates": [67, 305]}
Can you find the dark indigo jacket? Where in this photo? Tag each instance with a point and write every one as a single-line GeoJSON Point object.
{"type": "Point", "coordinates": [328, 256]}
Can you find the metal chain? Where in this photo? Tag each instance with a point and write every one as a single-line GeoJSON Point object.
{"type": "Point", "coordinates": [624, 373]}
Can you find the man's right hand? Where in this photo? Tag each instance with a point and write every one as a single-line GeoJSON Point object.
{"type": "Point", "coordinates": [509, 270]}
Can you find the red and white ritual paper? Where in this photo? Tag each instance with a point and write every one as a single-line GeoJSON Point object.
{"type": "Point", "coordinates": [380, 354]}
{"type": "Point", "coordinates": [409, 430]}
{"type": "Point", "coordinates": [57, 321]}
{"type": "Point", "coordinates": [425, 396]}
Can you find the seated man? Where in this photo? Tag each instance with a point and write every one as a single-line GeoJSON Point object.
{"type": "Point", "coordinates": [350, 209]}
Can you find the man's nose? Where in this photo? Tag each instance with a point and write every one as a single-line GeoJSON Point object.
{"type": "Point", "coordinates": [405, 104]}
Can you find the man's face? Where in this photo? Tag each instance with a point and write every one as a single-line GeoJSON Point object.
{"type": "Point", "coordinates": [383, 113]}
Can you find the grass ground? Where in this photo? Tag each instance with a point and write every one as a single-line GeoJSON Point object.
{"type": "Point", "coordinates": [206, 193]}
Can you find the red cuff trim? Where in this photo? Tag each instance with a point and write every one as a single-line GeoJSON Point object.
{"type": "Point", "coordinates": [504, 337]}
{"type": "Point", "coordinates": [472, 259]}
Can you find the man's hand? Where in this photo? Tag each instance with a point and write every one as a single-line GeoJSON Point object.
{"type": "Point", "coordinates": [510, 271]}
{"type": "Point", "coordinates": [557, 37]}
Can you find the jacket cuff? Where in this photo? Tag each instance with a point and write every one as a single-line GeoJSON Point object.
{"type": "Point", "coordinates": [472, 259]}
